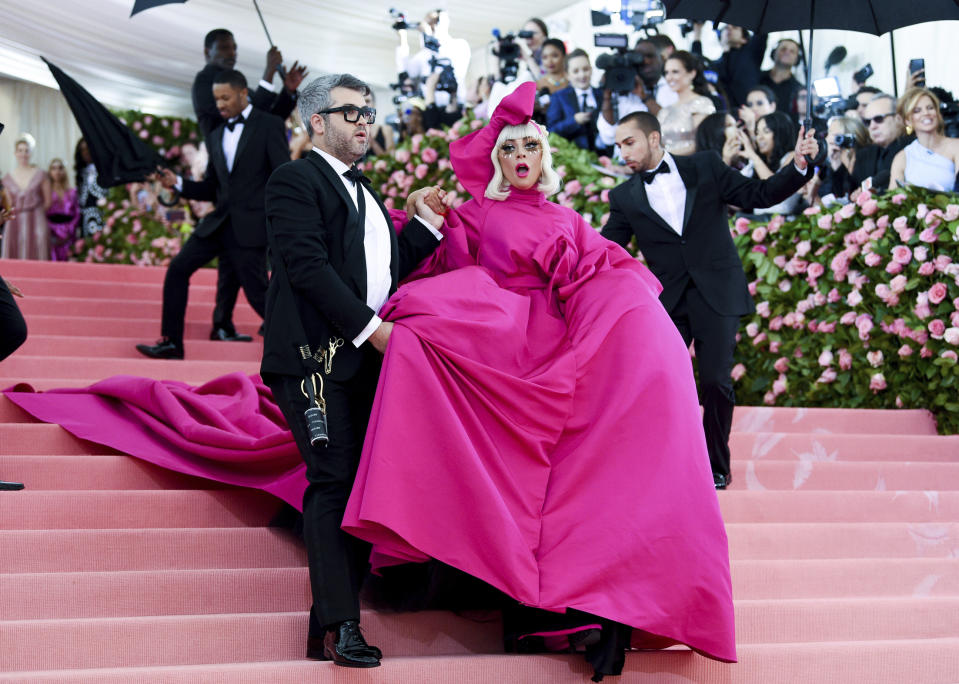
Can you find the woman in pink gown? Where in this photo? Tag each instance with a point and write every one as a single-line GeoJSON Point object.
{"type": "Point", "coordinates": [536, 423]}
{"type": "Point", "coordinates": [26, 235]}
{"type": "Point", "coordinates": [64, 212]}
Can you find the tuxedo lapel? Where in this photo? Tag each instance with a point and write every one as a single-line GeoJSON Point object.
{"type": "Point", "coordinates": [216, 154]}
{"type": "Point", "coordinates": [642, 202]}
{"type": "Point", "coordinates": [245, 135]}
{"type": "Point", "coordinates": [687, 171]}
{"type": "Point", "coordinates": [352, 231]}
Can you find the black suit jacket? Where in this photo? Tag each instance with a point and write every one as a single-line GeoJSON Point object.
{"type": "Point", "coordinates": [209, 119]}
{"type": "Point", "coordinates": [705, 252]}
{"type": "Point", "coordinates": [319, 276]}
{"type": "Point", "coordinates": [239, 194]}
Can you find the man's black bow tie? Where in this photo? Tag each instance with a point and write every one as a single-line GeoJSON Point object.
{"type": "Point", "coordinates": [355, 175]}
{"type": "Point", "coordinates": [649, 176]}
{"type": "Point", "coordinates": [233, 123]}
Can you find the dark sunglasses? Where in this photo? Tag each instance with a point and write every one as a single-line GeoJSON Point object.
{"type": "Point", "coordinates": [352, 114]}
{"type": "Point", "coordinates": [878, 119]}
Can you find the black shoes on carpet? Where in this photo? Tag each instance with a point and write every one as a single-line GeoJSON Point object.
{"type": "Point", "coordinates": [722, 481]}
{"type": "Point", "coordinates": [165, 348]}
{"type": "Point", "coordinates": [225, 335]}
{"type": "Point", "coordinates": [345, 646]}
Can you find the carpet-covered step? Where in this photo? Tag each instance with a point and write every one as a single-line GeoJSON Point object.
{"type": "Point", "coordinates": [141, 329]}
{"type": "Point", "coordinates": [79, 471]}
{"type": "Point", "coordinates": [147, 549]}
{"type": "Point", "coordinates": [784, 540]}
{"type": "Point", "coordinates": [90, 509]}
{"type": "Point", "coordinates": [781, 446]}
{"type": "Point", "coordinates": [10, 412]}
{"type": "Point", "coordinates": [45, 439]}
{"type": "Point", "coordinates": [195, 639]}
{"type": "Point", "coordinates": [48, 346]}
{"type": "Point", "coordinates": [73, 270]}
{"type": "Point", "coordinates": [252, 590]}
{"type": "Point", "coordinates": [121, 308]}
{"type": "Point", "coordinates": [226, 638]}
{"type": "Point", "coordinates": [827, 475]}
{"type": "Point", "coordinates": [839, 506]}
{"type": "Point", "coordinates": [106, 289]}
{"type": "Point", "coordinates": [832, 420]}
{"type": "Point", "coordinates": [194, 372]}
{"type": "Point", "coordinates": [931, 661]}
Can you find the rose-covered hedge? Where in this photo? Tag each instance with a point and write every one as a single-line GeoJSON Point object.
{"type": "Point", "coordinates": [132, 234]}
{"type": "Point", "coordinates": [856, 306]}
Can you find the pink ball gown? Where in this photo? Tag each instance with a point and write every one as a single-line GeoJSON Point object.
{"type": "Point", "coordinates": [536, 423]}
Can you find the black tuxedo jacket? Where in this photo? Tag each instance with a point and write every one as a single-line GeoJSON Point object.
{"type": "Point", "coordinates": [239, 194]}
{"type": "Point", "coordinates": [705, 252]}
{"type": "Point", "coordinates": [316, 246]}
{"type": "Point", "coordinates": [209, 119]}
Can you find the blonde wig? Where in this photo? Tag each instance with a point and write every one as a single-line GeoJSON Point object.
{"type": "Point", "coordinates": [498, 188]}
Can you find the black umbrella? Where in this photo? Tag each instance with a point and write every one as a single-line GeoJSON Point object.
{"type": "Point", "coordinates": [120, 157]}
{"type": "Point", "coordinates": [765, 16]}
{"type": "Point", "coordinates": [141, 5]}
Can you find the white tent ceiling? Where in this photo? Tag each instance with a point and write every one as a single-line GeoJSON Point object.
{"type": "Point", "coordinates": [148, 61]}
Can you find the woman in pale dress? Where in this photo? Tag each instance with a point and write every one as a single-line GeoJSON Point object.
{"type": "Point", "coordinates": [26, 235]}
{"type": "Point", "coordinates": [684, 74]}
{"type": "Point", "coordinates": [930, 161]}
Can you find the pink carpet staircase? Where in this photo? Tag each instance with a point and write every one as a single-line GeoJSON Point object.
{"type": "Point", "coordinates": [843, 529]}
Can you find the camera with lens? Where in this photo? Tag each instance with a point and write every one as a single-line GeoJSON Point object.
{"type": "Point", "coordinates": [831, 102]}
{"type": "Point", "coordinates": [447, 81]}
{"type": "Point", "coordinates": [508, 51]}
{"type": "Point", "coordinates": [399, 20]}
{"type": "Point", "coordinates": [844, 141]}
{"type": "Point", "coordinates": [620, 67]}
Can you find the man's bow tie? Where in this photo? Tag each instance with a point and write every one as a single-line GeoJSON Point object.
{"type": "Point", "coordinates": [649, 176]}
{"type": "Point", "coordinates": [233, 123]}
{"type": "Point", "coordinates": [355, 175]}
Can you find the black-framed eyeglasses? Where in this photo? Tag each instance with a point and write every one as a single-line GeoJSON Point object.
{"type": "Point", "coordinates": [878, 119]}
{"type": "Point", "coordinates": [352, 113]}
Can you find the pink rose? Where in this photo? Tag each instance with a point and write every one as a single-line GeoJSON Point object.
{"type": "Point", "coordinates": [780, 260]}
{"type": "Point", "coordinates": [752, 288]}
{"type": "Point", "coordinates": [833, 296]}
{"type": "Point", "coordinates": [905, 351]}
{"type": "Point", "coordinates": [928, 235]}
{"type": "Point", "coordinates": [763, 309]}
{"type": "Point", "coordinates": [870, 207]}
{"type": "Point", "coordinates": [877, 382]}
{"type": "Point", "coordinates": [942, 261]}
{"type": "Point", "coordinates": [738, 371]}
{"type": "Point", "coordinates": [785, 285]}
{"type": "Point", "coordinates": [898, 198]}
{"type": "Point", "coordinates": [802, 249]}
{"type": "Point", "coordinates": [893, 267]}
{"type": "Point", "coordinates": [951, 336]}
{"type": "Point", "coordinates": [873, 259]}
{"type": "Point", "coordinates": [825, 358]}
{"type": "Point", "coordinates": [952, 212]}
{"type": "Point", "coordinates": [883, 221]}
{"type": "Point", "coordinates": [604, 197]}
{"type": "Point", "coordinates": [936, 328]}
{"type": "Point", "coordinates": [779, 385]}
{"type": "Point", "coordinates": [811, 211]}
{"type": "Point", "coordinates": [949, 354]}
{"type": "Point", "coordinates": [827, 376]}
{"type": "Point", "coordinates": [925, 353]}
{"type": "Point", "coordinates": [421, 171]}
{"type": "Point", "coordinates": [769, 398]}
{"type": "Point", "coordinates": [827, 327]}
{"type": "Point", "coordinates": [402, 155]}
{"type": "Point", "coordinates": [901, 254]}
{"type": "Point", "coordinates": [921, 211]}
{"type": "Point", "coordinates": [848, 318]}
{"type": "Point", "coordinates": [759, 339]}
{"type": "Point", "coordinates": [845, 359]}
{"type": "Point", "coordinates": [752, 329]}
{"type": "Point", "coordinates": [573, 187]}
{"type": "Point", "coordinates": [776, 323]}
{"type": "Point", "coordinates": [759, 234]}
{"type": "Point", "coordinates": [815, 270]}
{"type": "Point", "coordinates": [927, 269]}
{"type": "Point", "coordinates": [898, 284]}
{"type": "Point", "coordinates": [900, 222]}
{"type": "Point", "coordinates": [938, 292]}
{"type": "Point", "coordinates": [954, 319]}
{"type": "Point", "coordinates": [874, 358]}
{"type": "Point", "coordinates": [774, 346]}
{"type": "Point", "coordinates": [883, 291]}
{"type": "Point", "coordinates": [144, 134]}
{"type": "Point", "coordinates": [920, 253]}
{"type": "Point", "coordinates": [847, 211]}
{"type": "Point", "coordinates": [775, 223]}
{"type": "Point", "coordinates": [429, 155]}
{"type": "Point", "coordinates": [825, 221]}
{"type": "Point", "coordinates": [781, 365]}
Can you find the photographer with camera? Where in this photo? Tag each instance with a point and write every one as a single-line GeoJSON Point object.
{"type": "Point", "coordinates": [637, 80]}
{"type": "Point", "coordinates": [435, 116]}
{"type": "Point", "coordinates": [738, 68]}
{"type": "Point", "coordinates": [440, 53]}
{"type": "Point", "coordinates": [780, 79]}
{"type": "Point", "coordinates": [845, 136]}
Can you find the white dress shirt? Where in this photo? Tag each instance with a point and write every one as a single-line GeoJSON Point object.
{"type": "Point", "coordinates": [667, 194]}
{"type": "Point", "coordinates": [376, 245]}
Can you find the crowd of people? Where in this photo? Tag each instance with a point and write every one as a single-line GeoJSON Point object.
{"type": "Point", "coordinates": [464, 385]}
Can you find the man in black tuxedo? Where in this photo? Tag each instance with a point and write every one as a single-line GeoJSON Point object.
{"type": "Point", "coordinates": [676, 209]}
{"type": "Point", "coordinates": [336, 259]}
{"type": "Point", "coordinates": [243, 154]}
{"type": "Point", "coordinates": [219, 49]}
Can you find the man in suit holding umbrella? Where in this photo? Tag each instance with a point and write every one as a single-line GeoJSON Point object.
{"type": "Point", "coordinates": [243, 154]}
{"type": "Point", "coordinates": [676, 209]}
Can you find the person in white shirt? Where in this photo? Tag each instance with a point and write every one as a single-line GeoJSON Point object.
{"type": "Point", "coordinates": [436, 27]}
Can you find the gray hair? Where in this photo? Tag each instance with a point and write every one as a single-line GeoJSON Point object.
{"type": "Point", "coordinates": [316, 96]}
{"type": "Point", "coordinates": [884, 96]}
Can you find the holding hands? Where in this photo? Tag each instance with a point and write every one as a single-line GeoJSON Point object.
{"type": "Point", "coordinates": [164, 177]}
{"type": "Point", "coordinates": [431, 204]}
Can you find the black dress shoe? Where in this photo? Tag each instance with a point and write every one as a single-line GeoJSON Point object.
{"type": "Point", "coordinates": [314, 649]}
{"type": "Point", "coordinates": [10, 486]}
{"type": "Point", "coordinates": [722, 481]}
{"type": "Point", "coordinates": [165, 348]}
{"type": "Point", "coordinates": [224, 335]}
{"type": "Point", "coordinates": [346, 646]}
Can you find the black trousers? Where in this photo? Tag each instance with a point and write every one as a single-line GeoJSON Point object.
{"type": "Point", "coordinates": [714, 339]}
{"type": "Point", "coordinates": [13, 329]}
{"type": "Point", "coordinates": [338, 562]}
{"type": "Point", "coordinates": [245, 265]}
